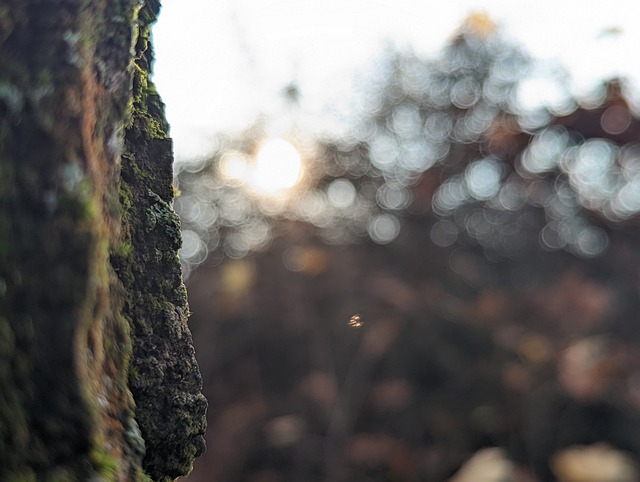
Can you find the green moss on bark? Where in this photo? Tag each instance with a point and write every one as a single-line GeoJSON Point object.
{"type": "Point", "coordinates": [70, 327]}
{"type": "Point", "coordinates": [164, 375]}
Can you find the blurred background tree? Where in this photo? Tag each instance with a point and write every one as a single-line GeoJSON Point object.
{"type": "Point", "coordinates": [454, 272]}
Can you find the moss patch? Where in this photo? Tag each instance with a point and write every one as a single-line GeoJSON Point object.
{"type": "Point", "coordinates": [164, 376]}
{"type": "Point", "coordinates": [97, 368]}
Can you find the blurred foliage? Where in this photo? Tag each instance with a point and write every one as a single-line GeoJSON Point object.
{"type": "Point", "coordinates": [455, 271]}
{"type": "Point", "coordinates": [442, 138]}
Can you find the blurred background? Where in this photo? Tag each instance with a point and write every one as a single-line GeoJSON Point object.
{"type": "Point", "coordinates": [411, 236]}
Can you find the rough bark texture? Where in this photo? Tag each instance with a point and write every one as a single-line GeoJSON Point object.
{"type": "Point", "coordinates": [164, 378]}
{"type": "Point", "coordinates": [92, 307]}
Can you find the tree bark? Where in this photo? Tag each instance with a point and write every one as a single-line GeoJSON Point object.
{"type": "Point", "coordinates": [97, 370]}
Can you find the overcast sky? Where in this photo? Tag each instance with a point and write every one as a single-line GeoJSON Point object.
{"type": "Point", "coordinates": [220, 63]}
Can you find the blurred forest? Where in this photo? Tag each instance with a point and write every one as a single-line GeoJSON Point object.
{"type": "Point", "coordinates": [450, 292]}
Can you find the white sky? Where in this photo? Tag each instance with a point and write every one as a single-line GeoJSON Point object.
{"type": "Point", "coordinates": [220, 63]}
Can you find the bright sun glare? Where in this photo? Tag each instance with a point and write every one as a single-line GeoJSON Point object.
{"type": "Point", "coordinates": [276, 168]}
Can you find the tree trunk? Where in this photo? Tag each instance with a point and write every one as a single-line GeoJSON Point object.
{"type": "Point", "coordinates": [98, 379]}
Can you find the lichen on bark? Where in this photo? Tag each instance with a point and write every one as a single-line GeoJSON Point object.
{"type": "Point", "coordinates": [164, 377]}
{"type": "Point", "coordinates": [92, 307]}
